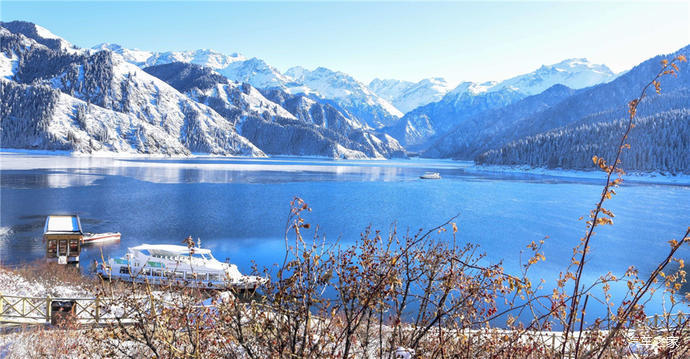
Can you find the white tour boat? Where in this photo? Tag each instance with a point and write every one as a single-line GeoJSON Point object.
{"type": "Point", "coordinates": [163, 264]}
{"type": "Point", "coordinates": [430, 175]}
{"type": "Point", "coordinates": [90, 238]}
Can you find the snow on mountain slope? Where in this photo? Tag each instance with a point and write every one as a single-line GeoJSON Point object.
{"type": "Point", "coordinates": [232, 100]}
{"type": "Point", "coordinates": [406, 95]}
{"type": "Point", "coordinates": [418, 128]}
{"type": "Point", "coordinates": [279, 123]}
{"type": "Point", "coordinates": [308, 110]}
{"type": "Point", "coordinates": [563, 128]}
{"type": "Point", "coordinates": [573, 73]}
{"type": "Point", "coordinates": [255, 72]}
{"type": "Point", "coordinates": [134, 56]}
{"type": "Point", "coordinates": [42, 36]}
{"type": "Point", "coordinates": [74, 125]}
{"type": "Point", "coordinates": [202, 57]}
{"type": "Point", "coordinates": [8, 65]}
{"type": "Point", "coordinates": [486, 129]}
{"type": "Point", "coordinates": [323, 85]}
{"type": "Point", "coordinates": [347, 93]}
{"type": "Point", "coordinates": [106, 81]}
{"type": "Point", "coordinates": [234, 66]}
{"type": "Point", "coordinates": [390, 89]}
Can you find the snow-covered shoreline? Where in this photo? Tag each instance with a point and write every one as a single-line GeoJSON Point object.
{"type": "Point", "coordinates": [629, 177]}
{"type": "Point", "coordinates": [11, 159]}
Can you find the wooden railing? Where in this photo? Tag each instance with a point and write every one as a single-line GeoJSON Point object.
{"type": "Point", "coordinates": [42, 310]}
{"type": "Point", "coordinates": [100, 310]}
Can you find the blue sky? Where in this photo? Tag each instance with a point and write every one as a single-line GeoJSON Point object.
{"type": "Point", "coordinates": [473, 41]}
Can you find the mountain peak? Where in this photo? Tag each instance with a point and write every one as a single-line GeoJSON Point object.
{"type": "Point", "coordinates": [575, 73]}
{"type": "Point", "coordinates": [40, 34]}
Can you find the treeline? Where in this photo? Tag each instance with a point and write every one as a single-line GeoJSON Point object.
{"type": "Point", "coordinates": [25, 116]}
{"type": "Point", "coordinates": [659, 142]}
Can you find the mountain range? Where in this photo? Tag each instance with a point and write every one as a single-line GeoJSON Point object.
{"type": "Point", "coordinates": [56, 95]}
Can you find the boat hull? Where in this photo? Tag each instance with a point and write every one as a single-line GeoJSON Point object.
{"type": "Point", "coordinates": [181, 283]}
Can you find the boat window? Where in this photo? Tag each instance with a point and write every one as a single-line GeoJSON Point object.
{"type": "Point", "coordinates": [179, 275]}
{"type": "Point", "coordinates": [124, 270]}
{"type": "Point", "coordinates": [169, 274]}
{"type": "Point", "coordinates": [214, 276]}
{"type": "Point", "coordinates": [156, 273]}
{"type": "Point", "coordinates": [145, 272]}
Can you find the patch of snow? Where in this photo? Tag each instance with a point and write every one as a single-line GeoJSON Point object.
{"type": "Point", "coordinates": [14, 284]}
{"type": "Point", "coordinates": [45, 33]}
{"type": "Point", "coordinates": [8, 65]}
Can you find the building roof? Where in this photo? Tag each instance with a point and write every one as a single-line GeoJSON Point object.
{"type": "Point", "coordinates": [62, 225]}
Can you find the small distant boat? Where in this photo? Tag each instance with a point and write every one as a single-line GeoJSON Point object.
{"type": "Point", "coordinates": [181, 266]}
{"type": "Point", "coordinates": [430, 175]}
{"type": "Point", "coordinates": [93, 238]}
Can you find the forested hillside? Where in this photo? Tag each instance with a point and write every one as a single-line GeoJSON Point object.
{"type": "Point", "coordinates": [660, 142]}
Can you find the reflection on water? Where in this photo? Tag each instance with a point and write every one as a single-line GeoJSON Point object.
{"type": "Point", "coordinates": [20, 179]}
{"type": "Point", "coordinates": [65, 171]}
{"type": "Point", "coordinates": [238, 207]}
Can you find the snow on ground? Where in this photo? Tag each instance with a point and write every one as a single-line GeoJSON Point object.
{"type": "Point", "coordinates": [14, 284]}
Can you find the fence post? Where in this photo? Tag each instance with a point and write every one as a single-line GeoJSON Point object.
{"type": "Point", "coordinates": [656, 321]}
{"type": "Point", "coordinates": [48, 309]}
{"type": "Point", "coordinates": [98, 308]}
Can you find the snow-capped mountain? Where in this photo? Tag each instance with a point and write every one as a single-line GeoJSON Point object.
{"type": "Point", "coordinates": [563, 127]}
{"type": "Point", "coordinates": [420, 127]}
{"type": "Point", "coordinates": [234, 66]}
{"type": "Point", "coordinates": [305, 128]}
{"type": "Point", "coordinates": [346, 93]}
{"type": "Point", "coordinates": [323, 85]}
{"type": "Point", "coordinates": [203, 57]}
{"type": "Point", "coordinates": [406, 95]}
{"type": "Point", "coordinates": [308, 110]}
{"type": "Point", "coordinates": [96, 101]}
{"type": "Point", "coordinates": [573, 73]}
{"type": "Point", "coordinates": [42, 36]}
{"type": "Point", "coordinates": [257, 73]}
{"type": "Point", "coordinates": [90, 102]}
{"type": "Point", "coordinates": [481, 130]}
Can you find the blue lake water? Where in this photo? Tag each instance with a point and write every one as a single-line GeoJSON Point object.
{"type": "Point", "coordinates": [238, 207]}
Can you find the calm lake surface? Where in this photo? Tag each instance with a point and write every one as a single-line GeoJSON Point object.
{"type": "Point", "coordinates": [239, 207]}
